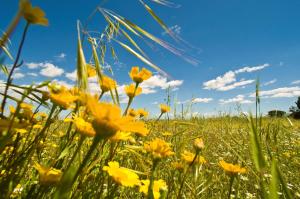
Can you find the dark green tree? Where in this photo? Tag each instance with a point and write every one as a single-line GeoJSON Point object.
{"type": "Point", "coordinates": [296, 109]}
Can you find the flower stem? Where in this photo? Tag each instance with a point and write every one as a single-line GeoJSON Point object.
{"type": "Point", "coordinates": [15, 65]}
{"type": "Point", "coordinates": [150, 187]}
{"type": "Point", "coordinates": [230, 186]}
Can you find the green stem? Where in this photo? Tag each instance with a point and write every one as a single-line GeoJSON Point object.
{"type": "Point", "coordinates": [150, 187]}
{"type": "Point", "coordinates": [159, 116]}
{"type": "Point", "coordinates": [185, 175]}
{"type": "Point", "coordinates": [131, 99]}
{"type": "Point", "coordinates": [230, 186]}
{"type": "Point", "coordinates": [15, 65]}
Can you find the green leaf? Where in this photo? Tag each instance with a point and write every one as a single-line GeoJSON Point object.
{"type": "Point", "coordinates": [257, 153]}
{"type": "Point", "coordinates": [143, 59]}
{"type": "Point", "coordinates": [82, 76]}
{"type": "Point", "coordinates": [274, 184]}
{"type": "Point", "coordinates": [158, 20]}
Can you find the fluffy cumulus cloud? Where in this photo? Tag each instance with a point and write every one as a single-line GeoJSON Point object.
{"type": "Point", "coordinates": [283, 92]}
{"type": "Point", "coordinates": [72, 76]}
{"type": "Point", "coordinates": [228, 81]}
{"type": "Point", "coordinates": [50, 70]}
{"type": "Point", "coordinates": [47, 69]}
{"type": "Point", "coordinates": [238, 99]}
{"type": "Point", "coordinates": [161, 82]}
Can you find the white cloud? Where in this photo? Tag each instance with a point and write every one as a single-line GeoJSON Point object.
{"type": "Point", "coordinates": [33, 65]}
{"type": "Point", "coordinates": [50, 70]}
{"type": "Point", "coordinates": [32, 74]}
{"type": "Point", "coordinates": [61, 56]}
{"type": "Point", "coordinates": [220, 81]}
{"type": "Point", "coordinates": [201, 100]}
{"type": "Point", "coordinates": [176, 29]}
{"type": "Point", "coordinates": [158, 81]}
{"type": "Point", "coordinates": [250, 69]}
{"type": "Point", "coordinates": [280, 92]}
{"type": "Point", "coordinates": [18, 75]}
{"type": "Point", "coordinates": [238, 99]}
{"type": "Point", "coordinates": [72, 76]}
{"type": "Point", "coordinates": [296, 82]}
{"type": "Point", "coordinates": [228, 81]}
{"type": "Point", "coordinates": [270, 82]}
{"type": "Point", "coordinates": [235, 85]}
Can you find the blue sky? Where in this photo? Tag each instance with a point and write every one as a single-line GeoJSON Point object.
{"type": "Point", "coordinates": [234, 41]}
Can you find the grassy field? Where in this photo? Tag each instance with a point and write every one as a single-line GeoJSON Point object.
{"type": "Point", "coordinates": [225, 138]}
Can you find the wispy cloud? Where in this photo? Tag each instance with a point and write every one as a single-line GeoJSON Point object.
{"type": "Point", "coordinates": [284, 92]}
{"type": "Point", "coordinates": [270, 82]}
{"type": "Point", "coordinates": [18, 75]}
{"type": "Point", "coordinates": [33, 65]}
{"type": "Point", "coordinates": [228, 81]}
{"type": "Point", "coordinates": [176, 29]}
{"type": "Point", "coordinates": [32, 74]}
{"type": "Point", "coordinates": [250, 69]}
{"type": "Point", "coordinates": [238, 99]}
{"type": "Point", "coordinates": [295, 82]}
{"type": "Point", "coordinates": [61, 56]}
{"type": "Point", "coordinates": [201, 100]}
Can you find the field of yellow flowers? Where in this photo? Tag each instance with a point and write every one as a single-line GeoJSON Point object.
{"type": "Point", "coordinates": [99, 150]}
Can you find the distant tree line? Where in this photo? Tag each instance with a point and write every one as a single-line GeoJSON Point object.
{"type": "Point", "coordinates": [295, 111]}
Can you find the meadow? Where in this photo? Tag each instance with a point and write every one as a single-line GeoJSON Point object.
{"type": "Point", "coordinates": [61, 142]}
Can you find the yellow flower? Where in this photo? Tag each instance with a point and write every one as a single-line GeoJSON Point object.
{"type": "Point", "coordinates": [12, 110]}
{"type": "Point", "coordinates": [107, 84]}
{"type": "Point", "coordinates": [33, 15]}
{"type": "Point", "coordinates": [158, 185]}
{"type": "Point", "coordinates": [198, 144]}
{"type": "Point", "coordinates": [122, 175]}
{"type": "Point", "coordinates": [26, 110]}
{"type": "Point", "coordinates": [47, 175]}
{"type": "Point", "coordinates": [231, 169]}
{"type": "Point", "coordinates": [132, 91]}
{"type": "Point", "coordinates": [62, 97]}
{"type": "Point", "coordinates": [178, 165]}
{"type": "Point", "coordinates": [164, 108]}
{"type": "Point", "coordinates": [132, 113]}
{"type": "Point", "coordinates": [21, 131]}
{"type": "Point", "coordinates": [139, 76]}
{"type": "Point", "coordinates": [143, 113]}
{"type": "Point", "coordinates": [83, 127]}
{"type": "Point", "coordinates": [42, 115]}
{"type": "Point", "coordinates": [108, 119]}
{"type": "Point", "coordinates": [67, 120]}
{"type": "Point", "coordinates": [121, 136]}
{"type": "Point", "coordinates": [91, 71]}
{"type": "Point", "coordinates": [158, 148]}
{"type": "Point", "coordinates": [37, 126]}
{"type": "Point", "coordinates": [167, 133]}
{"type": "Point", "coordinates": [189, 157]}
